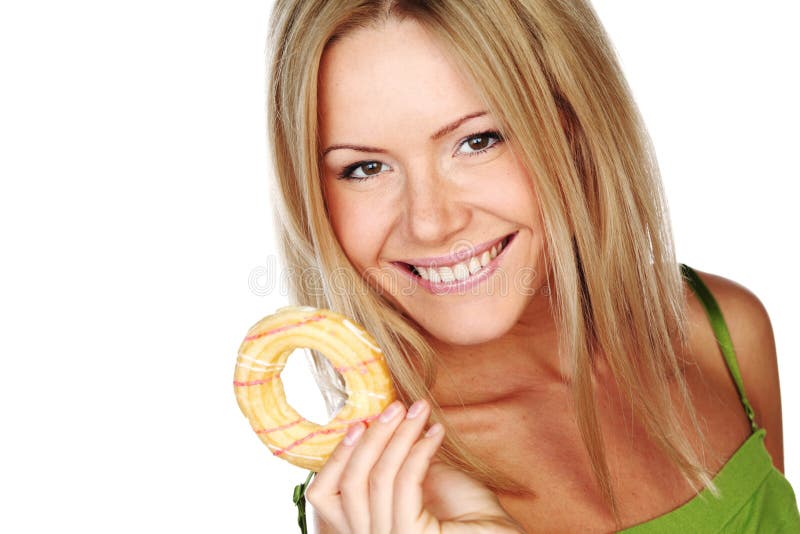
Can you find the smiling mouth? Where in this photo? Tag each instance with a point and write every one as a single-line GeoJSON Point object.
{"type": "Point", "coordinates": [460, 270]}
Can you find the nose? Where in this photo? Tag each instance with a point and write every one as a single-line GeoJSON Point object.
{"type": "Point", "coordinates": [434, 212]}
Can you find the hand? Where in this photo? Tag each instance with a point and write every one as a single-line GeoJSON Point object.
{"type": "Point", "coordinates": [384, 479]}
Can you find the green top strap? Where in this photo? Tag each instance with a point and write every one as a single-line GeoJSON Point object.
{"type": "Point", "coordinates": [722, 335]}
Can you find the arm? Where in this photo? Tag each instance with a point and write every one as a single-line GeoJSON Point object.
{"type": "Point", "coordinates": [760, 372]}
{"type": "Point", "coordinates": [752, 335]}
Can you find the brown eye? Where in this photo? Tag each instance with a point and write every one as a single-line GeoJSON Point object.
{"type": "Point", "coordinates": [479, 143]}
{"type": "Point", "coordinates": [370, 168]}
{"type": "Point", "coordinates": [363, 170]}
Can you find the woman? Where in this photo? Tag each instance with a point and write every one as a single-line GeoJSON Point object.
{"type": "Point", "coordinates": [471, 181]}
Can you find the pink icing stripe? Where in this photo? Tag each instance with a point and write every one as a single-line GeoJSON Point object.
{"type": "Point", "coordinates": [333, 430]}
{"type": "Point", "coordinates": [361, 420]}
{"type": "Point", "coordinates": [254, 382]}
{"type": "Point", "coordinates": [359, 364]}
{"type": "Point", "coordinates": [282, 427]}
{"type": "Point", "coordinates": [308, 437]}
{"type": "Point", "coordinates": [311, 319]}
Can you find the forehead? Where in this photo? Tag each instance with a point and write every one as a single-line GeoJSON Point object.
{"type": "Point", "coordinates": [390, 76]}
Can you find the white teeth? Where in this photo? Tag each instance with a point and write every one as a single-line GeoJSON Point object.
{"type": "Point", "coordinates": [474, 265]}
{"type": "Point", "coordinates": [447, 274]}
{"type": "Point", "coordinates": [461, 271]}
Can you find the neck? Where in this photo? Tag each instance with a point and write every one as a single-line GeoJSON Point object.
{"type": "Point", "coordinates": [524, 359]}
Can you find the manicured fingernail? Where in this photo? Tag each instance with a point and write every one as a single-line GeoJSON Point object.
{"type": "Point", "coordinates": [415, 409]}
{"type": "Point", "coordinates": [353, 434]}
{"type": "Point", "coordinates": [389, 413]}
{"type": "Point", "coordinates": [434, 430]}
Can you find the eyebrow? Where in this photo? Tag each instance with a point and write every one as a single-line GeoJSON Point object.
{"type": "Point", "coordinates": [437, 135]}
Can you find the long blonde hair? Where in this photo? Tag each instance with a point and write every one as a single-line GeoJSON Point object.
{"type": "Point", "coordinates": [547, 73]}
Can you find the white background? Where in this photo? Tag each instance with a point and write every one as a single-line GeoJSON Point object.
{"type": "Point", "coordinates": [134, 208]}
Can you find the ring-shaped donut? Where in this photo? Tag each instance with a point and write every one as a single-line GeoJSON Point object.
{"type": "Point", "coordinates": [259, 389]}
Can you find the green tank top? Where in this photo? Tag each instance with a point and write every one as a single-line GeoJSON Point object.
{"type": "Point", "coordinates": [755, 496]}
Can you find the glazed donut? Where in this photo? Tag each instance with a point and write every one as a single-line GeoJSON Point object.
{"type": "Point", "coordinates": [259, 389]}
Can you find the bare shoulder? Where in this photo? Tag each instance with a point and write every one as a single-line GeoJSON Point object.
{"type": "Point", "coordinates": [754, 342]}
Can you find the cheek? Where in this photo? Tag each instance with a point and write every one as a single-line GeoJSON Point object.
{"type": "Point", "coordinates": [357, 225]}
{"type": "Point", "coordinates": [510, 192]}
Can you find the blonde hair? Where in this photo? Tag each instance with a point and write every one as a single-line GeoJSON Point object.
{"type": "Point", "coordinates": [547, 73]}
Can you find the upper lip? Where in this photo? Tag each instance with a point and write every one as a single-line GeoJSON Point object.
{"type": "Point", "coordinates": [459, 255]}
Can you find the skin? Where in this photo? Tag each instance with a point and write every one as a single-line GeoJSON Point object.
{"type": "Point", "coordinates": [501, 383]}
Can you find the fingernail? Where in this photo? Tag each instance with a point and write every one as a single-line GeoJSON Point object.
{"type": "Point", "coordinates": [415, 409]}
{"type": "Point", "coordinates": [435, 429]}
{"type": "Point", "coordinates": [389, 413]}
{"type": "Point", "coordinates": [353, 434]}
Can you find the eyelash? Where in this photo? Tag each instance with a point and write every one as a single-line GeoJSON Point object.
{"type": "Point", "coordinates": [345, 172]}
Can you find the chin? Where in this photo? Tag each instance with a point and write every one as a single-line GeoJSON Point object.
{"type": "Point", "coordinates": [471, 330]}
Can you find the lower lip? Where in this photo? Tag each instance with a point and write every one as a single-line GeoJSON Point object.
{"type": "Point", "coordinates": [462, 285]}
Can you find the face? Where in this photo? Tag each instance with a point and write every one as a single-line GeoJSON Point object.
{"type": "Point", "coordinates": [427, 200]}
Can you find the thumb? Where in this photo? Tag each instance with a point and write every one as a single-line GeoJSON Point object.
{"type": "Point", "coordinates": [451, 493]}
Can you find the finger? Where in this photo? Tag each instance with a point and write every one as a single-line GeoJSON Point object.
{"type": "Point", "coordinates": [383, 474]}
{"type": "Point", "coordinates": [408, 511]}
{"type": "Point", "coordinates": [354, 485]}
{"type": "Point", "coordinates": [323, 492]}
